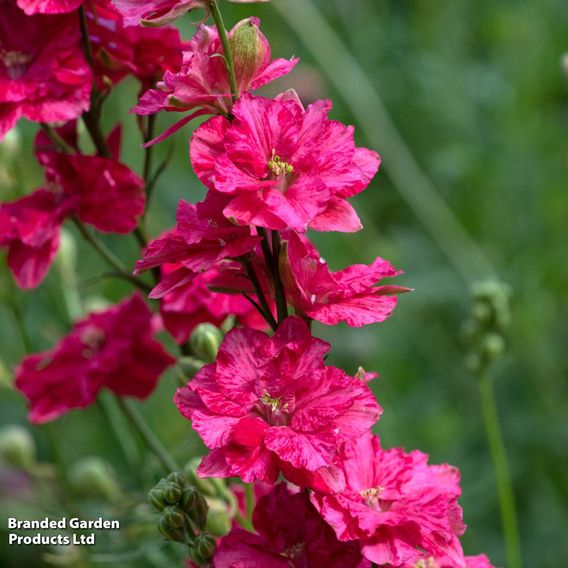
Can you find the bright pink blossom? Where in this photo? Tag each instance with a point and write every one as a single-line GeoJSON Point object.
{"type": "Point", "coordinates": [88, 184]}
{"type": "Point", "coordinates": [112, 349]}
{"type": "Point", "coordinates": [29, 230]}
{"type": "Point", "coordinates": [145, 53]}
{"type": "Point", "coordinates": [193, 303]}
{"type": "Point", "coordinates": [203, 80]}
{"type": "Point", "coordinates": [480, 561]}
{"type": "Point", "coordinates": [348, 295]}
{"type": "Point", "coordinates": [160, 12]}
{"type": "Point", "coordinates": [396, 505]}
{"type": "Point", "coordinates": [44, 76]}
{"type": "Point", "coordinates": [290, 534]}
{"type": "Point", "coordinates": [283, 166]}
{"type": "Point", "coordinates": [31, 7]}
{"type": "Point", "coordinates": [202, 238]}
{"type": "Point", "coordinates": [270, 405]}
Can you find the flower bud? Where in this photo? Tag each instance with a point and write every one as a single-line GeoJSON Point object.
{"type": "Point", "coordinates": [17, 447]}
{"type": "Point", "coordinates": [204, 486]}
{"type": "Point", "coordinates": [11, 144]}
{"type": "Point", "coordinates": [190, 366]}
{"type": "Point", "coordinates": [156, 498]}
{"type": "Point", "coordinates": [188, 499]}
{"type": "Point", "coordinates": [169, 532]}
{"type": "Point", "coordinates": [493, 345]}
{"type": "Point", "coordinates": [171, 492]}
{"type": "Point", "coordinates": [92, 477]}
{"type": "Point", "coordinates": [198, 512]}
{"type": "Point", "coordinates": [205, 340]}
{"type": "Point", "coordinates": [177, 478]}
{"type": "Point", "coordinates": [218, 521]}
{"type": "Point", "coordinates": [250, 50]}
{"type": "Point", "coordinates": [204, 547]}
{"type": "Point", "coordinates": [174, 517]}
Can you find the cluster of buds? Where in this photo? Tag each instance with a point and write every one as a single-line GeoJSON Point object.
{"type": "Point", "coordinates": [183, 516]}
{"type": "Point", "coordinates": [489, 318]}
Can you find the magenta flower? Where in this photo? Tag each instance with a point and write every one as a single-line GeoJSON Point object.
{"type": "Point", "coordinates": [283, 166]}
{"type": "Point", "coordinates": [44, 76]}
{"type": "Point", "coordinates": [193, 303]}
{"type": "Point", "coordinates": [203, 80]}
{"type": "Point", "coordinates": [270, 405]}
{"type": "Point", "coordinates": [112, 349]}
{"type": "Point", "coordinates": [348, 295]}
{"type": "Point", "coordinates": [31, 7]}
{"type": "Point", "coordinates": [29, 230]}
{"type": "Point", "coordinates": [145, 53]}
{"type": "Point", "coordinates": [290, 534]}
{"type": "Point", "coordinates": [160, 12]}
{"type": "Point", "coordinates": [88, 184]}
{"type": "Point", "coordinates": [480, 561]}
{"type": "Point", "coordinates": [396, 505]}
{"type": "Point", "coordinates": [202, 238]}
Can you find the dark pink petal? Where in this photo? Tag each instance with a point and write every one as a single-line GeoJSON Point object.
{"type": "Point", "coordinates": [355, 311]}
{"type": "Point", "coordinates": [338, 216]}
{"type": "Point", "coordinates": [31, 7]}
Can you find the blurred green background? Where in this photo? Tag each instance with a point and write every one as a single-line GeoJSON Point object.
{"type": "Point", "coordinates": [467, 103]}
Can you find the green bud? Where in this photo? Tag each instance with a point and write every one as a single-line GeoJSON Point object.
{"type": "Point", "coordinates": [190, 366]}
{"type": "Point", "coordinates": [177, 478]}
{"type": "Point", "coordinates": [481, 312]}
{"type": "Point", "coordinates": [218, 521]}
{"type": "Point", "coordinates": [205, 341]}
{"type": "Point", "coordinates": [169, 532]}
{"type": "Point", "coordinates": [174, 517]}
{"type": "Point", "coordinates": [205, 486]}
{"type": "Point", "coordinates": [93, 477]}
{"type": "Point", "coordinates": [11, 144]}
{"type": "Point", "coordinates": [171, 492]}
{"type": "Point", "coordinates": [188, 499]}
{"type": "Point", "coordinates": [17, 447]}
{"type": "Point", "coordinates": [249, 48]}
{"type": "Point", "coordinates": [198, 513]}
{"type": "Point", "coordinates": [204, 546]}
{"type": "Point", "coordinates": [493, 345]}
{"type": "Point", "coordinates": [156, 498]}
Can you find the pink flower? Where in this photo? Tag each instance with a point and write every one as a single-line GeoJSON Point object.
{"type": "Point", "coordinates": [146, 53]}
{"type": "Point", "coordinates": [290, 534]}
{"type": "Point", "coordinates": [348, 295]}
{"type": "Point", "coordinates": [112, 349]}
{"type": "Point", "coordinates": [88, 184]}
{"type": "Point", "coordinates": [160, 12]}
{"type": "Point", "coordinates": [203, 80]}
{"type": "Point", "coordinates": [270, 404]}
{"type": "Point", "coordinates": [480, 561]}
{"type": "Point", "coordinates": [29, 229]}
{"type": "Point", "coordinates": [202, 238]}
{"type": "Point", "coordinates": [31, 7]}
{"type": "Point", "coordinates": [396, 505]}
{"type": "Point", "coordinates": [44, 76]}
{"type": "Point", "coordinates": [187, 306]}
{"type": "Point", "coordinates": [283, 166]}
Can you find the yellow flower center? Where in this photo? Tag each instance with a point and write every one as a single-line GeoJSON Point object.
{"type": "Point", "coordinates": [15, 62]}
{"type": "Point", "coordinates": [279, 167]}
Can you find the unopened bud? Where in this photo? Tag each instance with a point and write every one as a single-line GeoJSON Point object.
{"type": "Point", "coordinates": [177, 478]}
{"type": "Point", "coordinates": [10, 145]}
{"type": "Point", "coordinates": [188, 499]}
{"type": "Point", "coordinates": [17, 447]}
{"type": "Point", "coordinates": [190, 366]}
{"type": "Point", "coordinates": [171, 492]}
{"type": "Point", "coordinates": [156, 498]}
{"type": "Point", "coordinates": [250, 50]}
{"type": "Point", "coordinates": [198, 513]}
{"type": "Point", "coordinates": [218, 521]}
{"type": "Point", "coordinates": [204, 486]}
{"type": "Point", "coordinates": [481, 312]}
{"type": "Point", "coordinates": [205, 341]}
{"type": "Point", "coordinates": [174, 516]}
{"type": "Point", "coordinates": [493, 345]}
{"type": "Point", "coordinates": [92, 477]}
{"type": "Point", "coordinates": [204, 547]}
{"type": "Point", "coordinates": [170, 532]}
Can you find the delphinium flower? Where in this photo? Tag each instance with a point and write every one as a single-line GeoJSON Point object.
{"type": "Point", "coordinates": [283, 166]}
{"type": "Point", "coordinates": [113, 349]}
{"type": "Point", "coordinates": [44, 76]}
{"type": "Point", "coordinates": [270, 405]}
{"type": "Point", "coordinates": [348, 295]}
{"type": "Point", "coordinates": [396, 505]}
{"type": "Point", "coordinates": [289, 534]}
{"type": "Point", "coordinates": [31, 7]}
{"type": "Point", "coordinates": [75, 185]}
{"type": "Point", "coordinates": [202, 82]}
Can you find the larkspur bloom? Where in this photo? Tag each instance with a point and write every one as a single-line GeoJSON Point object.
{"type": "Point", "coordinates": [480, 561]}
{"type": "Point", "coordinates": [203, 80]}
{"type": "Point", "coordinates": [283, 166]}
{"type": "Point", "coordinates": [29, 230]}
{"type": "Point", "coordinates": [202, 238]}
{"type": "Point", "coordinates": [31, 7]}
{"type": "Point", "coordinates": [270, 405]}
{"type": "Point", "coordinates": [348, 295]}
{"type": "Point", "coordinates": [396, 505]}
{"type": "Point", "coordinates": [193, 303]}
{"type": "Point", "coordinates": [113, 349]}
{"type": "Point", "coordinates": [160, 12]}
{"type": "Point", "coordinates": [44, 76]}
{"type": "Point", "coordinates": [145, 53]}
{"type": "Point", "coordinates": [289, 534]}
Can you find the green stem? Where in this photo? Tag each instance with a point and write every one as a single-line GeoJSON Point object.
{"type": "Point", "coordinates": [226, 48]}
{"type": "Point", "coordinates": [279, 291]}
{"type": "Point", "coordinates": [501, 468]}
{"type": "Point", "coordinates": [146, 433]}
{"type": "Point", "coordinates": [265, 308]}
{"type": "Point", "coordinates": [249, 501]}
{"type": "Point", "coordinates": [109, 257]}
{"type": "Point", "coordinates": [87, 47]}
{"type": "Point", "coordinates": [57, 139]}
